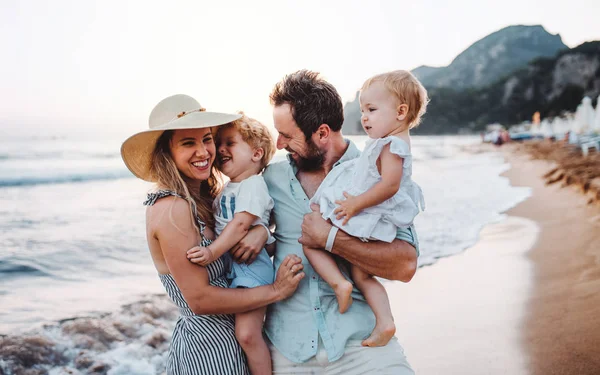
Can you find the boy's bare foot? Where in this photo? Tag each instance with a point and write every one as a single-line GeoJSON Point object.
{"type": "Point", "coordinates": [343, 293]}
{"type": "Point", "coordinates": [381, 335]}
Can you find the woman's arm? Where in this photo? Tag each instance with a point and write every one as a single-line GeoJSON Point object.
{"type": "Point", "coordinates": [391, 175]}
{"type": "Point", "coordinates": [176, 234]}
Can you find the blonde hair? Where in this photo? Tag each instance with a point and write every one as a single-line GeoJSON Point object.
{"type": "Point", "coordinates": [166, 175]}
{"type": "Point", "coordinates": [254, 133]}
{"type": "Point", "coordinates": [407, 89]}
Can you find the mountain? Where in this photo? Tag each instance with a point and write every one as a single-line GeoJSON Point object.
{"type": "Point", "coordinates": [425, 72]}
{"type": "Point", "coordinates": [492, 57]}
{"type": "Point", "coordinates": [548, 85]}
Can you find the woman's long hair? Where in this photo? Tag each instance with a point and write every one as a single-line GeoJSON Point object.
{"type": "Point", "coordinates": [166, 175]}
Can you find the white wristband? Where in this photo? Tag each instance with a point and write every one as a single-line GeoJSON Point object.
{"type": "Point", "coordinates": [331, 238]}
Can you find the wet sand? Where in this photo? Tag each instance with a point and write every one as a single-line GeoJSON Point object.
{"type": "Point", "coordinates": [524, 300]}
{"type": "Point", "coordinates": [561, 332]}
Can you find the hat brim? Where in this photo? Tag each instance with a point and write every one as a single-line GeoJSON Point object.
{"type": "Point", "coordinates": [137, 150]}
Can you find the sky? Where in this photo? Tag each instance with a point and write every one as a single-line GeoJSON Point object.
{"type": "Point", "coordinates": [103, 65]}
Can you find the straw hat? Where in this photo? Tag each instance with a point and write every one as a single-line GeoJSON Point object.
{"type": "Point", "coordinates": [175, 112]}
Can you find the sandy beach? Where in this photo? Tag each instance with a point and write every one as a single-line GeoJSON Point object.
{"type": "Point", "coordinates": [523, 300]}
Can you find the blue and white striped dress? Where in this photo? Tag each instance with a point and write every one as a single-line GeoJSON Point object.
{"type": "Point", "coordinates": [201, 344]}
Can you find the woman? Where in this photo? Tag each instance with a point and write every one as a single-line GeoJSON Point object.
{"type": "Point", "coordinates": [177, 153]}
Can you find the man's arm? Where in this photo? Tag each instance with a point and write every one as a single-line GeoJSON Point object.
{"type": "Point", "coordinates": [394, 261]}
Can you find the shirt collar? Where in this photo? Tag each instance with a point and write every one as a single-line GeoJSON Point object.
{"type": "Point", "coordinates": [352, 152]}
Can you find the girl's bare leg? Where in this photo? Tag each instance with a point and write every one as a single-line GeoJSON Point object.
{"type": "Point", "coordinates": [377, 299]}
{"type": "Point", "coordinates": [248, 331]}
{"type": "Point", "coordinates": [326, 267]}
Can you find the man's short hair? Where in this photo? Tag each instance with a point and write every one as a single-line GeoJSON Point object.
{"type": "Point", "coordinates": [313, 101]}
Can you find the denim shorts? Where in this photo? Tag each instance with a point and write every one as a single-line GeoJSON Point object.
{"type": "Point", "coordinates": [258, 273]}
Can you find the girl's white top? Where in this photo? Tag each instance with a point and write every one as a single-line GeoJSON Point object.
{"type": "Point", "coordinates": [359, 175]}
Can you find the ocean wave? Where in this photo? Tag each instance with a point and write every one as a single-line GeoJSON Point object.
{"type": "Point", "coordinates": [78, 177]}
{"type": "Point", "coordinates": [10, 269]}
{"type": "Point", "coordinates": [58, 155]}
{"type": "Point", "coordinates": [133, 341]}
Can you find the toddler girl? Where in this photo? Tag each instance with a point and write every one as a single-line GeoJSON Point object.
{"type": "Point", "coordinates": [371, 196]}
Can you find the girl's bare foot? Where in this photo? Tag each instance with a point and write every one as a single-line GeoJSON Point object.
{"type": "Point", "coordinates": [343, 293]}
{"type": "Point", "coordinates": [381, 335]}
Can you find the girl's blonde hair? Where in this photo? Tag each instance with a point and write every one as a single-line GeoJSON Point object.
{"type": "Point", "coordinates": [407, 89]}
{"type": "Point", "coordinates": [166, 175]}
{"type": "Point", "coordinates": [254, 133]}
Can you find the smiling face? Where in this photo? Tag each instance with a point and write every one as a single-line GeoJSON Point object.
{"type": "Point", "coordinates": [193, 151]}
{"type": "Point", "coordinates": [381, 113]}
{"type": "Point", "coordinates": [305, 152]}
{"type": "Point", "coordinates": [237, 159]}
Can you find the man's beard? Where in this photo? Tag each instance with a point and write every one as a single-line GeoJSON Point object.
{"type": "Point", "coordinates": [313, 160]}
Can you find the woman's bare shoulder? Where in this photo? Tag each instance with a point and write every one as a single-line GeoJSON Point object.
{"type": "Point", "coordinates": [168, 212]}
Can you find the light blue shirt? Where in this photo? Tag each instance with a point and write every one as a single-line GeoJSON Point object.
{"type": "Point", "coordinates": [295, 325]}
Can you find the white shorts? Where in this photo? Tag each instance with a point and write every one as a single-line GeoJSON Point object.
{"type": "Point", "coordinates": [357, 359]}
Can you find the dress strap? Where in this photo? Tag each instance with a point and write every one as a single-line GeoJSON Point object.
{"type": "Point", "coordinates": [154, 196]}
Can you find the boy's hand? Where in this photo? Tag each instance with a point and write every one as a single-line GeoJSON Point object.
{"type": "Point", "coordinates": [347, 209]}
{"type": "Point", "coordinates": [200, 255]}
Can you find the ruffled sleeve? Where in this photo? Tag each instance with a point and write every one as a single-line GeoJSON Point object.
{"type": "Point", "coordinates": [399, 147]}
{"type": "Point", "coordinates": [373, 150]}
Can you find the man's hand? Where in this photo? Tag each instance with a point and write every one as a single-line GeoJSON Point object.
{"type": "Point", "coordinates": [315, 229]}
{"type": "Point", "coordinates": [248, 248]}
{"type": "Point", "coordinates": [200, 255]}
{"type": "Point", "coordinates": [347, 208]}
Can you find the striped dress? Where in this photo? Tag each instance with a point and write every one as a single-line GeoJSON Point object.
{"type": "Point", "coordinates": [201, 344]}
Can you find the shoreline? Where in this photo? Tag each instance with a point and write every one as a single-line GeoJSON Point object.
{"type": "Point", "coordinates": [523, 300]}
{"type": "Point", "coordinates": [561, 332]}
{"type": "Point", "coordinates": [462, 315]}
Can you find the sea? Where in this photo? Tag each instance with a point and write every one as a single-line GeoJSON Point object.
{"type": "Point", "coordinates": [78, 291]}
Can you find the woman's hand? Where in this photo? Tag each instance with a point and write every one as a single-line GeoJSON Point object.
{"type": "Point", "coordinates": [288, 276]}
{"type": "Point", "coordinates": [200, 255]}
{"type": "Point", "coordinates": [248, 248]}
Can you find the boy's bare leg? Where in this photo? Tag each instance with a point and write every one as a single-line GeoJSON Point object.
{"type": "Point", "coordinates": [377, 299]}
{"type": "Point", "coordinates": [248, 331]}
{"type": "Point", "coordinates": [326, 267]}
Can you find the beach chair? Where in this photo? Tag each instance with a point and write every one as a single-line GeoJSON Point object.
{"type": "Point", "coordinates": [588, 143]}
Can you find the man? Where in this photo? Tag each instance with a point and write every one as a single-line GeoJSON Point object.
{"type": "Point", "coordinates": [306, 331]}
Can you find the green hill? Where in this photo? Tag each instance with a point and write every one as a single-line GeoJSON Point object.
{"type": "Point", "coordinates": [550, 85]}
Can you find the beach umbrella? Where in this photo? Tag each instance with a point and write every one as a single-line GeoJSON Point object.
{"type": "Point", "coordinates": [577, 120]}
{"type": "Point", "coordinates": [558, 128]}
{"type": "Point", "coordinates": [546, 129]}
{"type": "Point", "coordinates": [596, 126]}
{"type": "Point", "coordinates": [587, 113]}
